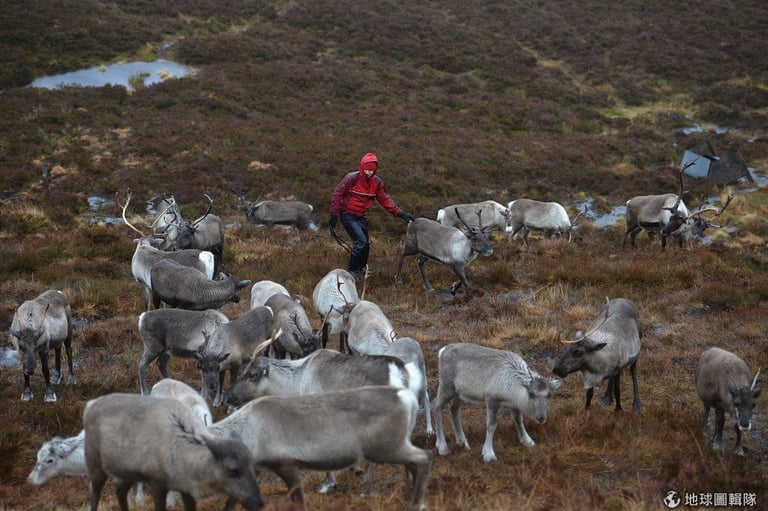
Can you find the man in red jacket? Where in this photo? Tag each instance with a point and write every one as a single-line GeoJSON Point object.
{"type": "Point", "coordinates": [351, 199]}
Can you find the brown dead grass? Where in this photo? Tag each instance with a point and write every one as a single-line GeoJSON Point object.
{"type": "Point", "coordinates": [462, 101]}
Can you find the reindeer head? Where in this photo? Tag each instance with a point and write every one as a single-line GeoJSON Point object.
{"type": "Point", "coordinates": [182, 233]}
{"type": "Point", "coordinates": [701, 224]}
{"type": "Point", "coordinates": [27, 341]}
{"type": "Point", "coordinates": [580, 349]}
{"type": "Point", "coordinates": [477, 234]}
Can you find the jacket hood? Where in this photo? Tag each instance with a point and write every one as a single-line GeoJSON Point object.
{"type": "Point", "coordinates": [369, 162]}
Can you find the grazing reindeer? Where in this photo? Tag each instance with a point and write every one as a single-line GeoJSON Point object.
{"type": "Point", "coordinates": [177, 332]}
{"type": "Point", "coordinates": [531, 215]}
{"type": "Point", "coordinates": [263, 290]}
{"type": "Point", "coordinates": [696, 221]}
{"type": "Point", "coordinates": [147, 254]}
{"type": "Point", "coordinates": [134, 438]}
{"type": "Point", "coordinates": [495, 378]}
{"type": "Point", "coordinates": [186, 288]}
{"type": "Point", "coordinates": [612, 342]}
{"type": "Point", "coordinates": [664, 214]}
{"type": "Point", "coordinates": [496, 215]}
{"type": "Point", "coordinates": [39, 325]}
{"type": "Point", "coordinates": [370, 331]}
{"type": "Point", "coordinates": [66, 456]}
{"type": "Point", "coordinates": [169, 213]}
{"type": "Point", "coordinates": [443, 244]}
{"type": "Point", "coordinates": [230, 346]}
{"type": "Point", "coordinates": [334, 297]}
{"type": "Point", "coordinates": [722, 382]}
{"type": "Point", "coordinates": [297, 337]}
{"type": "Point", "coordinates": [320, 371]}
{"type": "Point", "coordinates": [289, 212]}
{"type": "Point", "coordinates": [287, 434]}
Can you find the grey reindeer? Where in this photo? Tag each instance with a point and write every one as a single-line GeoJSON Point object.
{"type": "Point", "coordinates": [433, 241]}
{"type": "Point", "coordinates": [39, 325]}
{"type": "Point", "coordinates": [722, 383]}
{"type": "Point", "coordinates": [612, 342]}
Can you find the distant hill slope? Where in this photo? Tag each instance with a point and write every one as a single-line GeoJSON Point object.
{"type": "Point", "coordinates": [461, 100]}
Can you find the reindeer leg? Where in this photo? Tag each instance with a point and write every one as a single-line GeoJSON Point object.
{"type": "Point", "coordinates": [68, 347]}
{"type": "Point", "coordinates": [324, 341]}
{"type": "Point", "coordinates": [420, 261]}
{"type": "Point", "coordinates": [50, 395]}
{"type": "Point", "coordinates": [26, 394]}
{"type": "Point", "coordinates": [57, 366]}
{"type": "Point", "coordinates": [617, 390]}
{"type": "Point", "coordinates": [590, 393]}
{"type": "Point", "coordinates": [717, 442]}
{"type": "Point", "coordinates": [459, 271]}
{"type": "Point", "coordinates": [608, 396]}
{"type": "Point", "coordinates": [399, 275]}
{"type": "Point", "coordinates": [525, 235]}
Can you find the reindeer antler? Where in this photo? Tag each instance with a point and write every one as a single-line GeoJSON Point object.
{"type": "Point", "coordinates": [685, 167]}
{"type": "Point", "coordinates": [583, 212]}
{"type": "Point", "coordinates": [717, 212]}
{"type": "Point", "coordinates": [210, 205]}
{"type": "Point", "coordinates": [128, 201]}
{"type": "Point", "coordinates": [162, 213]}
{"type": "Point", "coordinates": [261, 348]}
{"type": "Point", "coordinates": [591, 330]}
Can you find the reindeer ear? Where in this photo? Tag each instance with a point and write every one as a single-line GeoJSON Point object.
{"type": "Point", "coordinates": [595, 346]}
{"type": "Point", "coordinates": [555, 384]}
{"type": "Point", "coordinates": [756, 392]}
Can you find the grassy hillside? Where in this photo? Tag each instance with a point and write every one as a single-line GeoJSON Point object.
{"type": "Point", "coordinates": [462, 102]}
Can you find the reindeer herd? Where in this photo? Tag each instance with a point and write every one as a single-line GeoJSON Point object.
{"type": "Point", "coordinates": [296, 394]}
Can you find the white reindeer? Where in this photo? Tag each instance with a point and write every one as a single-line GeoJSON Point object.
{"type": "Point", "coordinates": [496, 379]}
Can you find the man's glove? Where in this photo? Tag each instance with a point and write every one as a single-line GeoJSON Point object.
{"type": "Point", "coordinates": [406, 216]}
{"type": "Point", "coordinates": [332, 222]}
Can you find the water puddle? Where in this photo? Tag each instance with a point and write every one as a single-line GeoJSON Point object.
{"type": "Point", "coordinates": [703, 128]}
{"type": "Point", "coordinates": [122, 73]}
{"type": "Point", "coordinates": [9, 357]}
{"type": "Point", "coordinates": [95, 204]}
{"type": "Point", "coordinates": [598, 219]}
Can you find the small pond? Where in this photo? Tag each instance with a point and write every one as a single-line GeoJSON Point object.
{"type": "Point", "coordinates": [148, 73]}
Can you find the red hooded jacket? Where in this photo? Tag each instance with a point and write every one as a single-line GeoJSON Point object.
{"type": "Point", "coordinates": [355, 193]}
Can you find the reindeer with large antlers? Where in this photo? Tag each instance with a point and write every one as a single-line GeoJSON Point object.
{"type": "Point", "coordinates": [147, 254]}
{"type": "Point", "coordinates": [665, 214]}
{"type": "Point", "coordinates": [205, 233]}
{"type": "Point", "coordinates": [612, 342]}
{"type": "Point", "coordinates": [696, 221]}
